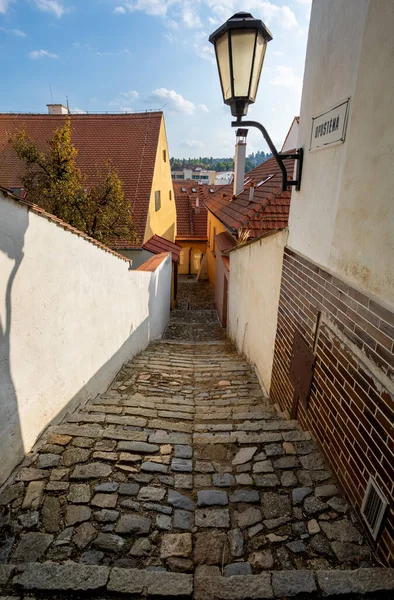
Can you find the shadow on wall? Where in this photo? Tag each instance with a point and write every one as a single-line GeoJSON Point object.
{"type": "Point", "coordinates": [11, 246]}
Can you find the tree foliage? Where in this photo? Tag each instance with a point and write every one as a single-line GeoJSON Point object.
{"type": "Point", "coordinates": [55, 183]}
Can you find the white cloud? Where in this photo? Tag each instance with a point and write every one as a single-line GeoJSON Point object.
{"type": "Point", "coordinates": [170, 37]}
{"type": "Point", "coordinates": [192, 144]}
{"type": "Point", "coordinates": [124, 100]}
{"type": "Point", "coordinates": [53, 7]}
{"type": "Point", "coordinates": [16, 32]}
{"type": "Point", "coordinates": [203, 107]}
{"type": "Point", "coordinates": [202, 48]}
{"type": "Point", "coordinates": [4, 5]}
{"type": "Point", "coordinates": [171, 100]}
{"type": "Point", "coordinates": [285, 76]}
{"type": "Point", "coordinates": [150, 7]}
{"type": "Point", "coordinates": [35, 54]}
{"type": "Point", "coordinates": [189, 15]}
{"type": "Point", "coordinates": [270, 13]}
{"type": "Point", "coordinates": [77, 111]}
{"type": "Point", "coordinates": [132, 95]}
{"type": "Point", "coordinates": [188, 11]}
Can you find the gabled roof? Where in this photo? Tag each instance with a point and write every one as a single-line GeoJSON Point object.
{"type": "Point", "coordinates": [157, 245]}
{"type": "Point", "coordinates": [191, 224]}
{"type": "Point", "coordinates": [129, 140]}
{"type": "Point", "coordinates": [268, 209]}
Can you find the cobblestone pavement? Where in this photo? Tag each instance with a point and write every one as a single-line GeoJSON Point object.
{"type": "Point", "coordinates": [181, 481]}
{"type": "Point", "coordinates": [195, 318]}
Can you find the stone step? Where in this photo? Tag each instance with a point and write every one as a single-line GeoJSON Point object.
{"type": "Point", "coordinates": [207, 583]}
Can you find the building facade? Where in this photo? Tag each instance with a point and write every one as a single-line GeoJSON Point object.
{"type": "Point", "coordinates": [200, 176]}
{"type": "Point", "coordinates": [337, 291]}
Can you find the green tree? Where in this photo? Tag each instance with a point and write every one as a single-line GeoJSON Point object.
{"type": "Point", "coordinates": [55, 183]}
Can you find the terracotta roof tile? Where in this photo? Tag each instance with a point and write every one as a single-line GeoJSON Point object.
{"type": "Point", "coordinates": [153, 262]}
{"type": "Point", "coordinates": [192, 224]}
{"type": "Point", "coordinates": [224, 241]}
{"type": "Point", "coordinates": [269, 207]}
{"type": "Point", "coordinates": [130, 141]}
{"type": "Point", "coordinates": [157, 245]}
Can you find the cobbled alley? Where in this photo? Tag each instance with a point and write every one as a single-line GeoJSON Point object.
{"type": "Point", "coordinates": [182, 480]}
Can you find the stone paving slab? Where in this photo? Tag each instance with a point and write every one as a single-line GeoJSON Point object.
{"type": "Point", "coordinates": [234, 486]}
{"type": "Point", "coordinates": [206, 584]}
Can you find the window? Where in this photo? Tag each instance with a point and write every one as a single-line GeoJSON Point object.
{"type": "Point", "coordinates": [194, 190]}
{"type": "Point", "coordinates": [209, 234]}
{"type": "Point", "coordinates": [157, 200]}
{"type": "Point", "coordinates": [213, 239]}
{"type": "Point", "coordinates": [165, 155]}
{"type": "Point", "coordinates": [19, 191]}
{"type": "Point", "coordinates": [183, 189]}
{"type": "Point", "coordinates": [170, 195]}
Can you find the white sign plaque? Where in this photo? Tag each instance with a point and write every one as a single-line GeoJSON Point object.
{"type": "Point", "coordinates": [330, 127]}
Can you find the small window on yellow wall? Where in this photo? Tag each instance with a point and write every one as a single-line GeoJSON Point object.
{"type": "Point", "coordinates": [170, 195]}
{"type": "Point", "coordinates": [157, 200]}
{"type": "Point", "coordinates": [213, 239]}
{"type": "Point", "coordinates": [165, 155]}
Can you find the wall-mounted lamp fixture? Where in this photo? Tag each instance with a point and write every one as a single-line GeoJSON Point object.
{"type": "Point", "coordinates": [240, 45]}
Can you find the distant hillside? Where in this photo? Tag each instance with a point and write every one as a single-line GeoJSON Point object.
{"type": "Point", "coordinates": [217, 164]}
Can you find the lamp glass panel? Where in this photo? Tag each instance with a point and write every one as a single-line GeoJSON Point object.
{"type": "Point", "coordinates": [223, 59]}
{"type": "Point", "coordinates": [261, 46]}
{"type": "Point", "coordinates": [242, 43]}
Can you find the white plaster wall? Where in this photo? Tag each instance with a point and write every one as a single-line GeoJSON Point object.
{"type": "Point", "coordinates": [291, 141]}
{"type": "Point", "coordinates": [70, 315]}
{"type": "Point", "coordinates": [255, 275]}
{"type": "Point", "coordinates": [343, 217]}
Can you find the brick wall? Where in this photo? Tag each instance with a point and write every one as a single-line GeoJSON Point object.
{"type": "Point", "coordinates": [351, 409]}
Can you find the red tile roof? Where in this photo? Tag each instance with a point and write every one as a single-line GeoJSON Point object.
{"type": "Point", "coordinates": [191, 225]}
{"type": "Point", "coordinates": [37, 210]}
{"type": "Point", "coordinates": [153, 262]}
{"type": "Point", "coordinates": [157, 245]}
{"type": "Point", "coordinates": [269, 207]}
{"type": "Point", "coordinates": [224, 241]}
{"type": "Point", "coordinates": [129, 140]}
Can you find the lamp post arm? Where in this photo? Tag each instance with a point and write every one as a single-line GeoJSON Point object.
{"type": "Point", "coordinates": [278, 157]}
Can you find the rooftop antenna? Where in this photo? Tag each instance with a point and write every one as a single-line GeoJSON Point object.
{"type": "Point", "coordinates": [50, 90]}
{"type": "Point", "coordinates": [68, 108]}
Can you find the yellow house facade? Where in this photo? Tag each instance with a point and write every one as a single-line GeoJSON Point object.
{"type": "Point", "coordinates": [214, 228]}
{"type": "Point", "coordinates": [161, 219]}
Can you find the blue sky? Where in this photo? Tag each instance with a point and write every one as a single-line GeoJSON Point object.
{"type": "Point", "coordinates": [116, 55]}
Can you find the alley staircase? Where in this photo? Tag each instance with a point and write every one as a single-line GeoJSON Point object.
{"type": "Point", "coordinates": [182, 481]}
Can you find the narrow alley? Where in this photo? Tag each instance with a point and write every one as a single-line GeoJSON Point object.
{"type": "Point", "coordinates": [181, 480]}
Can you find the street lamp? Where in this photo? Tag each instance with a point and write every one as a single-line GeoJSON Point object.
{"type": "Point", "coordinates": [240, 45]}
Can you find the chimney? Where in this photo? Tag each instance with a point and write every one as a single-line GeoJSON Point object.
{"type": "Point", "coordinates": [239, 160]}
{"type": "Point", "coordinates": [57, 109]}
{"type": "Point", "coordinates": [251, 191]}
